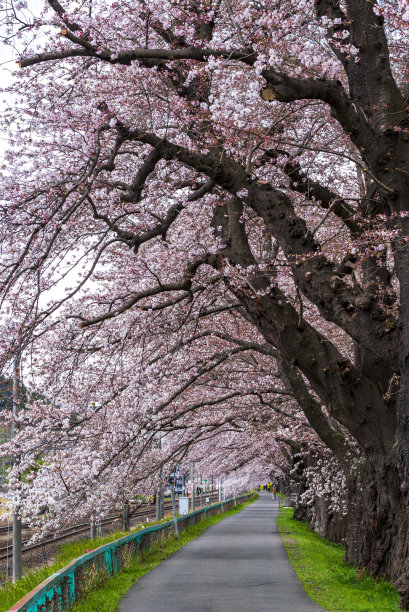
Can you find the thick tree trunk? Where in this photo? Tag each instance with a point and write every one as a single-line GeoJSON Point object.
{"type": "Point", "coordinates": [403, 581]}
{"type": "Point", "coordinates": [402, 266]}
{"type": "Point", "coordinates": [377, 522]}
{"type": "Point", "coordinates": [354, 519]}
{"type": "Point", "coordinates": [375, 529]}
{"type": "Point", "coordinates": [329, 524]}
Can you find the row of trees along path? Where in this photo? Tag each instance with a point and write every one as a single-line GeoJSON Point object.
{"type": "Point", "coordinates": [204, 239]}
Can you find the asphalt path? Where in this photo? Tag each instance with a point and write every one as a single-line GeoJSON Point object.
{"type": "Point", "coordinates": [237, 565]}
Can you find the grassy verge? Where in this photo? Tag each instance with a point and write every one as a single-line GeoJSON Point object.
{"type": "Point", "coordinates": [105, 597]}
{"type": "Point", "coordinates": [67, 552]}
{"type": "Point", "coordinates": [330, 582]}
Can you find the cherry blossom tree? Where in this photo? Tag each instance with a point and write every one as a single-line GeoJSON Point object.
{"type": "Point", "coordinates": [205, 204]}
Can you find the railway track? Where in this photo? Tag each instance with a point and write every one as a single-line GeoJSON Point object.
{"type": "Point", "coordinates": [7, 551]}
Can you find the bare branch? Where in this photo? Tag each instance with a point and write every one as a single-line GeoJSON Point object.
{"type": "Point", "coordinates": [127, 57]}
{"type": "Point", "coordinates": [183, 285]}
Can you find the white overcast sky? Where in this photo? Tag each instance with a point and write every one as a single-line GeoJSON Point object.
{"type": "Point", "coordinates": [8, 59]}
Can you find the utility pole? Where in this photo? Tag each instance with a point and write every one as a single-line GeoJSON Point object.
{"type": "Point", "coordinates": [93, 530]}
{"type": "Point", "coordinates": [159, 498]}
{"type": "Point", "coordinates": [125, 517]}
{"type": "Point", "coordinates": [193, 485]}
{"type": "Point", "coordinates": [159, 492]}
{"type": "Point", "coordinates": [175, 518]}
{"type": "Point", "coordinates": [16, 507]}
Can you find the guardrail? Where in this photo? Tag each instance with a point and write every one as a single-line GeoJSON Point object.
{"type": "Point", "coordinates": [7, 553]}
{"type": "Point", "coordinates": [61, 590]}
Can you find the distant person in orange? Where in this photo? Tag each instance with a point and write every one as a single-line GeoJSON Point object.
{"type": "Point", "coordinates": [274, 489]}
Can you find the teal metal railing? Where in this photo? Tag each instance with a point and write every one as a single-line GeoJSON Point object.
{"type": "Point", "coordinates": [61, 590]}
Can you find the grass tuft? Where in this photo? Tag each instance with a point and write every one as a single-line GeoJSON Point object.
{"type": "Point", "coordinates": [330, 582]}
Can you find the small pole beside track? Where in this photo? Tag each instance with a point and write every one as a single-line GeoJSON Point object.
{"type": "Point", "coordinates": [159, 497]}
{"type": "Point", "coordinates": [175, 518]}
{"type": "Point", "coordinates": [193, 486]}
{"type": "Point", "coordinates": [17, 555]}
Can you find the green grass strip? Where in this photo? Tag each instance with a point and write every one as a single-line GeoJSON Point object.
{"type": "Point", "coordinates": [330, 582]}
{"type": "Point", "coordinates": [106, 597]}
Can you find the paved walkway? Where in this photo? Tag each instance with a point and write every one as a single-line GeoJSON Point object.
{"type": "Point", "coordinates": [237, 565]}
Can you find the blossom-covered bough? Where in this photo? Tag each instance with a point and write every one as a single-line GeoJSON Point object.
{"type": "Point", "coordinates": [204, 229]}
